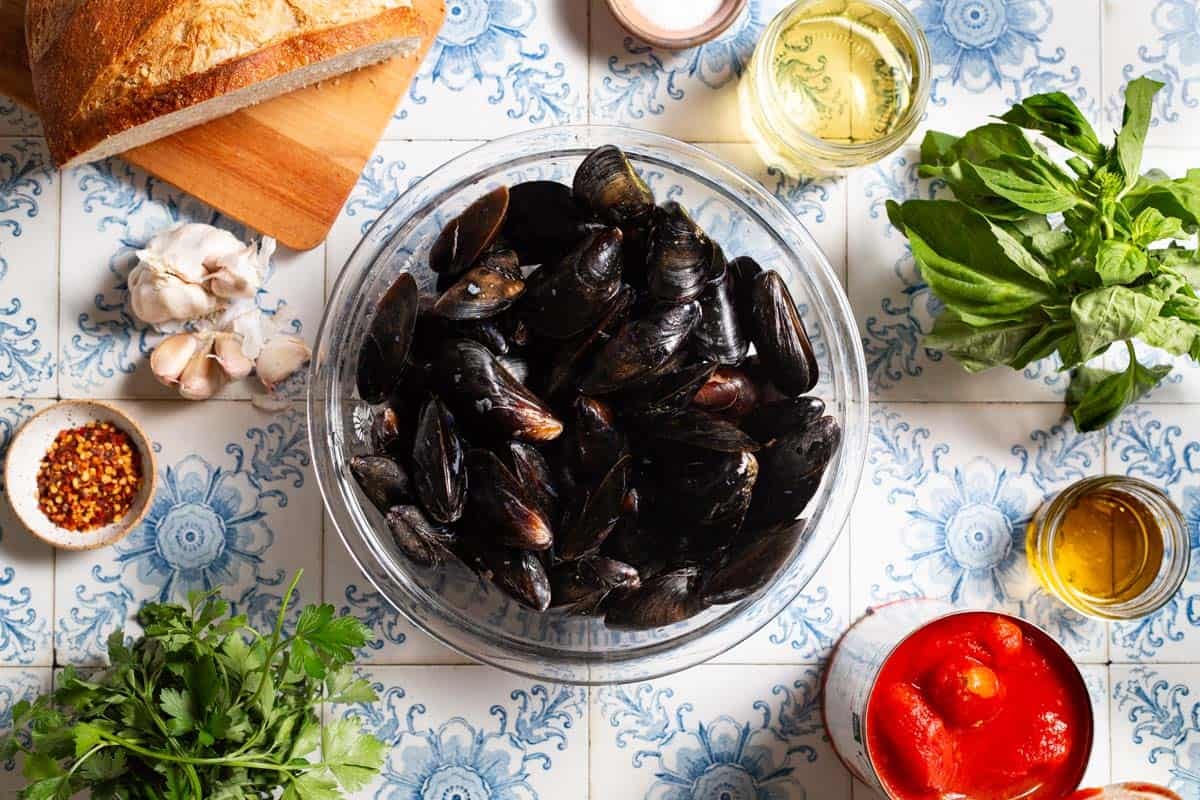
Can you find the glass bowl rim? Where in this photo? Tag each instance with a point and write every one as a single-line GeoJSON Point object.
{"type": "Point", "coordinates": [748, 196]}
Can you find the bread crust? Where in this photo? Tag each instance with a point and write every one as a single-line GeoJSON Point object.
{"type": "Point", "coordinates": [79, 53]}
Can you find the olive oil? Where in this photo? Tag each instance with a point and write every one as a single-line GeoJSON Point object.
{"type": "Point", "coordinates": [1109, 547]}
{"type": "Point", "coordinates": [835, 84]}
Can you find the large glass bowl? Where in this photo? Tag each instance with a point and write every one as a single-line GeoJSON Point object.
{"type": "Point", "coordinates": [450, 603]}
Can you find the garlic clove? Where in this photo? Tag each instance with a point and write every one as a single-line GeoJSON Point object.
{"type": "Point", "coordinates": [227, 349]}
{"type": "Point", "coordinates": [202, 377]}
{"type": "Point", "coordinates": [281, 356]}
{"type": "Point", "coordinates": [169, 359]}
{"type": "Point", "coordinates": [157, 297]}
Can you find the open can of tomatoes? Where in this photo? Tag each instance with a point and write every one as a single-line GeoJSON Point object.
{"type": "Point", "coordinates": [925, 702]}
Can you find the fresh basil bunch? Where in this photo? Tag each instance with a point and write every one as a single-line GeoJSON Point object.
{"type": "Point", "coordinates": [1033, 259]}
{"type": "Point", "coordinates": [204, 707]}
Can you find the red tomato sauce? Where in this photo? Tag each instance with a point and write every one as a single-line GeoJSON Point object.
{"type": "Point", "coordinates": [979, 706]}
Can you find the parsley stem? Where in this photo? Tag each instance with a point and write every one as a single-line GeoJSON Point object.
{"type": "Point", "coordinates": [199, 762]}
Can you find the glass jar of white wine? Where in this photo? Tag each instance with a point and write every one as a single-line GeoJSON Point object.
{"type": "Point", "coordinates": [835, 84]}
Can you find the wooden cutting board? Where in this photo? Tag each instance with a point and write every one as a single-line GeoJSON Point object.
{"type": "Point", "coordinates": [284, 167]}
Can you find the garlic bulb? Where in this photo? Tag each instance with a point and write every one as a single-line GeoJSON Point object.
{"type": "Point", "coordinates": [172, 355]}
{"type": "Point", "coordinates": [157, 297]}
{"type": "Point", "coordinates": [281, 356]}
{"type": "Point", "coordinates": [227, 349]}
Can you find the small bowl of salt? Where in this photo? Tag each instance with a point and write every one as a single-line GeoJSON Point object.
{"type": "Point", "coordinates": [676, 24]}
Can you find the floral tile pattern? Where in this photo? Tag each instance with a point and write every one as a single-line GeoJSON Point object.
{"type": "Point", "coordinates": [945, 499]}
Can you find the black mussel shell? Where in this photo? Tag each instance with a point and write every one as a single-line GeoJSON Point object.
{"type": "Point", "coordinates": [544, 222]}
{"type": "Point", "coordinates": [384, 355]}
{"type": "Point", "coordinates": [636, 545]}
{"type": "Point", "coordinates": [518, 367]}
{"type": "Point", "coordinates": [500, 505]}
{"type": "Point", "coordinates": [520, 574]}
{"type": "Point", "coordinates": [424, 543]}
{"type": "Point", "coordinates": [744, 271]}
{"type": "Point", "coordinates": [704, 431]}
{"type": "Point", "coordinates": [768, 422]}
{"type": "Point", "coordinates": [491, 399]}
{"type": "Point", "coordinates": [752, 564]}
{"type": "Point", "coordinates": [467, 236]}
{"type": "Point", "coordinates": [439, 471]}
{"type": "Point", "coordinates": [641, 348]}
{"type": "Point", "coordinates": [728, 392]}
{"type": "Point", "coordinates": [569, 359]}
{"type": "Point", "coordinates": [567, 298]}
{"type": "Point", "coordinates": [780, 336]}
{"type": "Point", "coordinates": [680, 256]}
{"type": "Point", "coordinates": [382, 479]}
{"type": "Point", "coordinates": [668, 394]}
{"type": "Point", "coordinates": [533, 473]}
{"type": "Point", "coordinates": [790, 472]}
{"type": "Point", "coordinates": [485, 290]}
{"type": "Point", "coordinates": [596, 443]}
{"type": "Point", "coordinates": [659, 602]}
{"type": "Point", "coordinates": [709, 489]}
{"type": "Point", "coordinates": [385, 430]}
{"type": "Point", "coordinates": [595, 513]}
{"type": "Point", "coordinates": [607, 184]}
{"type": "Point", "coordinates": [580, 587]}
{"type": "Point", "coordinates": [719, 335]}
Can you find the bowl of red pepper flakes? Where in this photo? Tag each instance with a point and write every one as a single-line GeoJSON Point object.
{"type": "Point", "coordinates": [80, 474]}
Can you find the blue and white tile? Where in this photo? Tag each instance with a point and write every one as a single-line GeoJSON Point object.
{"type": "Point", "coordinates": [471, 732]}
{"type": "Point", "coordinates": [1156, 726]}
{"type": "Point", "coordinates": [1161, 444]}
{"type": "Point", "coordinates": [17, 685]}
{"type": "Point", "coordinates": [713, 732]}
{"type": "Point", "coordinates": [497, 67]}
{"type": "Point", "coordinates": [688, 94]}
{"type": "Point", "coordinates": [110, 210]}
{"type": "Point", "coordinates": [1099, 770]}
{"type": "Point", "coordinates": [26, 570]}
{"type": "Point", "coordinates": [945, 503]}
{"type": "Point", "coordinates": [988, 54]}
{"type": "Point", "coordinates": [16, 119]}
{"type": "Point", "coordinates": [896, 309]}
{"type": "Point", "coordinates": [29, 207]}
{"type": "Point", "coordinates": [806, 631]}
{"type": "Point", "coordinates": [1160, 39]}
{"type": "Point", "coordinates": [394, 167]}
{"type": "Point", "coordinates": [236, 506]}
{"type": "Point", "coordinates": [394, 639]}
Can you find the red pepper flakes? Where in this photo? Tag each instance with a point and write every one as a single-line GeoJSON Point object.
{"type": "Point", "coordinates": [89, 477]}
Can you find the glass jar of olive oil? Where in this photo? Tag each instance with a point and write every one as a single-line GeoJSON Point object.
{"type": "Point", "coordinates": [1110, 547]}
{"type": "Point", "coordinates": [835, 84]}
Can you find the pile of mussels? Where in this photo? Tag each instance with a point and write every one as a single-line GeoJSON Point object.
{"type": "Point", "coordinates": [577, 416]}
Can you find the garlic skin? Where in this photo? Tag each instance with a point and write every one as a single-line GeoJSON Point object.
{"type": "Point", "coordinates": [202, 377]}
{"type": "Point", "coordinates": [281, 356]}
{"type": "Point", "coordinates": [227, 350]}
{"type": "Point", "coordinates": [244, 318]}
{"type": "Point", "coordinates": [172, 355]}
{"type": "Point", "coordinates": [240, 274]}
{"type": "Point", "coordinates": [157, 297]}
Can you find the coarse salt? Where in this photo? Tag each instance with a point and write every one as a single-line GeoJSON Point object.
{"type": "Point", "coordinates": [677, 15]}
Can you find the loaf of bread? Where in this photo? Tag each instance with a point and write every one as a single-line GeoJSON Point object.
{"type": "Point", "coordinates": [110, 75]}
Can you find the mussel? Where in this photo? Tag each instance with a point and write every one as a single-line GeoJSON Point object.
{"type": "Point", "coordinates": [790, 472]}
{"type": "Point", "coordinates": [641, 348]}
{"type": "Point", "coordinates": [384, 355]}
{"type": "Point", "coordinates": [596, 443]}
{"type": "Point", "coordinates": [669, 393]}
{"type": "Point", "coordinates": [500, 504]}
{"type": "Point", "coordinates": [382, 479]}
{"type": "Point", "coordinates": [385, 430]}
{"type": "Point", "coordinates": [680, 257]}
{"type": "Point", "coordinates": [595, 513]}
{"type": "Point", "coordinates": [439, 470]}
{"type": "Point", "coordinates": [709, 489]}
{"type": "Point", "coordinates": [471, 233]}
{"type": "Point", "coordinates": [580, 587]}
{"type": "Point", "coordinates": [660, 601]}
{"type": "Point", "coordinates": [752, 564]}
{"type": "Point", "coordinates": [719, 335]}
{"type": "Point", "coordinates": [703, 431]}
{"type": "Point", "coordinates": [486, 289]}
{"type": "Point", "coordinates": [520, 574]}
{"type": "Point", "coordinates": [742, 273]}
{"type": "Point", "coordinates": [772, 420]}
{"type": "Point", "coordinates": [780, 336]}
{"type": "Point", "coordinates": [729, 392]}
{"type": "Point", "coordinates": [493, 400]}
{"type": "Point", "coordinates": [544, 222]}
{"type": "Point", "coordinates": [570, 357]}
{"type": "Point", "coordinates": [607, 185]}
{"type": "Point", "coordinates": [565, 299]}
{"type": "Point", "coordinates": [533, 473]}
{"type": "Point", "coordinates": [424, 543]}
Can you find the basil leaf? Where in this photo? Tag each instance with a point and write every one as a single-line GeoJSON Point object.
{"type": "Point", "coordinates": [1182, 307]}
{"type": "Point", "coordinates": [978, 146]}
{"type": "Point", "coordinates": [1131, 140]}
{"type": "Point", "coordinates": [1151, 226]}
{"type": "Point", "coordinates": [1061, 121]}
{"type": "Point", "coordinates": [1121, 262]}
{"type": "Point", "coordinates": [1111, 314]}
{"type": "Point", "coordinates": [1102, 395]}
{"type": "Point", "coordinates": [1028, 184]}
{"type": "Point", "coordinates": [1051, 338]}
{"type": "Point", "coordinates": [967, 266]}
{"type": "Point", "coordinates": [1176, 336]}
{"type": "Point", "coordinates": [979, 349]}
{"type": "Point", "coordinates": [1178, 198]}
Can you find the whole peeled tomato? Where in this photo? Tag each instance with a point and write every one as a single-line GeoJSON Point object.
{"type": "Point", "coordinates": [965, 691]}
{"type": "Point", "coordinates": [923, 747]}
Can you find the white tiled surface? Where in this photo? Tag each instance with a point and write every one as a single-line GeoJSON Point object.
{"type": "Point", "coordinates": [956, 463]}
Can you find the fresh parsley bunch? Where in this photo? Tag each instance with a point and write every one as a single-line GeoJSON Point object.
{"type": "Point", "coordinates": [204, 707]}
{"type": "Point", "coordinates": [1033, 258]}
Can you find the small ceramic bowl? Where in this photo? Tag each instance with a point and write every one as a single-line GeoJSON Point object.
{"type": "Point", "coordinates": [25, 454]}
{"type": "Point", "coordinates": [643, 28]}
